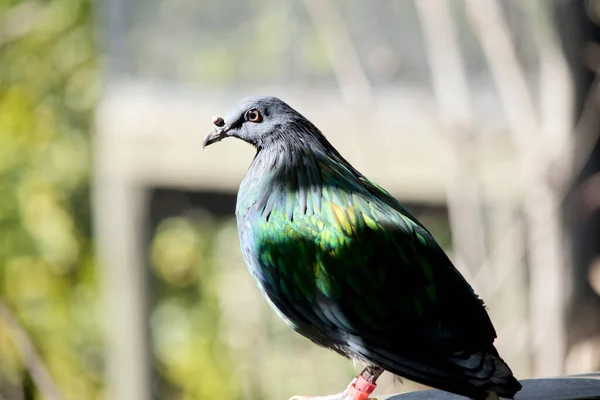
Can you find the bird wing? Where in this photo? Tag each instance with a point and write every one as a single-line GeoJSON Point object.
{"type": "Point", "coordinates": [360, 264]}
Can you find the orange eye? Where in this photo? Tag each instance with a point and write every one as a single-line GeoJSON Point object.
{"type": "Point", "coordinates": [253, 115]}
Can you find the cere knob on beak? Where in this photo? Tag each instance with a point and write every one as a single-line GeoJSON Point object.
{"type": "Point", "coordinates": [219, 133]}
{"type": "Point", "coordinates": [218, 121]}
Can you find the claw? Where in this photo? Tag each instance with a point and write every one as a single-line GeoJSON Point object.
{"type": "Point", "coordinates": [358, 389]}
{"type": "Point", "coordinates": [331, 397]}
{"type": "Point", "coordinates": [340, 396]}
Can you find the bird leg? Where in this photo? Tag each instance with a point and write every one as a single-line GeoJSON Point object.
{"type": "Point", "coordinates": [359, 389]}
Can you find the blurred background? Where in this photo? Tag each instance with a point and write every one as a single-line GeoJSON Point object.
{"type": "Point", "coordinates": [120, 270]}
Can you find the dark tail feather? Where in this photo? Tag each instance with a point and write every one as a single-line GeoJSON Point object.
{"type": "Point", "coordinates": [503, 382]}
{"type": "Point", "coordinates": [474, 375]}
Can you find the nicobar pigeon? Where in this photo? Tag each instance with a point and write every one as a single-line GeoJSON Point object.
{"type": "Point", "coordinates": [347, 266]}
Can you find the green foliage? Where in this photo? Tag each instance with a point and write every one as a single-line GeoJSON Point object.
{"type": "Point", "coordinates": [187, 344]}
{"type": "Point", "coordinates": [213, 335]}
{"type": "Point", "coordinates": [47, 93]}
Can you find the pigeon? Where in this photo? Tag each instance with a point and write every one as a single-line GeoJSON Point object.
{"type": "Point", "coordinates": [344, 264]}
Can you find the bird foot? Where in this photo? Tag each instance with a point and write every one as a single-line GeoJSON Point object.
{"type": "Point", "coordinates": [358, 389]}
{"type": "Point", "coordinates": [340, 396]}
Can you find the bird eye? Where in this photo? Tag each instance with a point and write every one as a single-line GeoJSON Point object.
{"type": "Point", "coordinates": [253, 115]}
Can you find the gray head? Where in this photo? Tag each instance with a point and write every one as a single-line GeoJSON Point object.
{"type": "Point", "coordinates": [260, 120]}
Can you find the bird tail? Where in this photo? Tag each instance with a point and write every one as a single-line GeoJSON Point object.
{"type": "Point", "coordinates": [503, 383]}
{"type": "Point", "coordinates": [477, 375]}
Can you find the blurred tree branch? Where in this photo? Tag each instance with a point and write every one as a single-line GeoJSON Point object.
{"type": "Point", "coordinates": [31, 359]}
{"type": "Point", "coordinates": [588, 124]}
{"type": "Point", "coordinates": [494, 35]}
{"type": "Point", "coordinates": [351, 77]}
{"type": "Point", "coordinates": [590, 194]}
{"type": "Point", "coordinates": [451, 88]}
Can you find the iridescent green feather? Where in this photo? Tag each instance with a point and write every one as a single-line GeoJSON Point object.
{"type": "Point", "coordinates": [348, 250]}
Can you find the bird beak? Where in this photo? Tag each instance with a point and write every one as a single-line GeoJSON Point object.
{"type": "Point", "coordinates": [215, 136]}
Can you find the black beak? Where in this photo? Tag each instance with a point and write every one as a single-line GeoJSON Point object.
{"type": "Point", "coordinates": [215, 136]}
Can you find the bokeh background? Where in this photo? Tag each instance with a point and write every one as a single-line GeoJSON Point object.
{"type": "Point", "coordinates": [120, 271]}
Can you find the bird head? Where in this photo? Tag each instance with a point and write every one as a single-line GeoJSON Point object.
{"type": "Point", "coordinates": [258, 120]}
